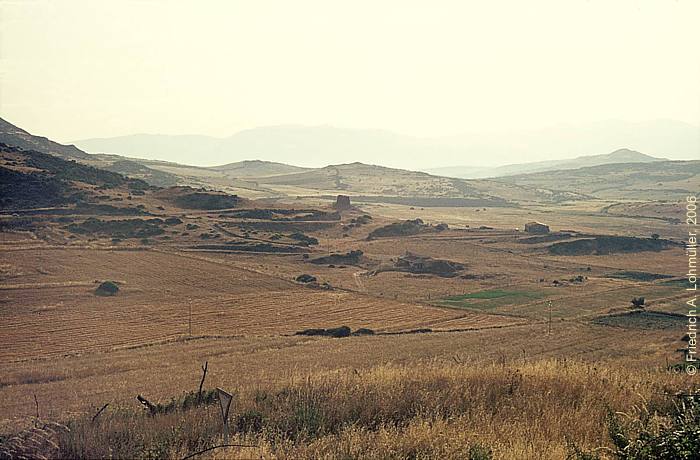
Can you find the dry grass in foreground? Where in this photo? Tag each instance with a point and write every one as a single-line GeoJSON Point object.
{"type": "Point", "coordinates": [545, 409]}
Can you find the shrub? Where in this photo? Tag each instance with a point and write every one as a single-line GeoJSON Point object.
{"type": "Point", "coordinates": [337, 332]}
{"type": "Point", "coordinates": [363, 331]}
{"type": "Point", "coordinates": [677, 440]}
{"type": "Point", "coordinates": [479, 452]}
{"type": "Point", "coordinates": [205, 200]}
{"type": "Point", "coordinates": [305, 278]}
{"type": "Point", "coordinates": [125, 228]}
{"type": "Point", "coordinates": [637, 302]}
{"type": "Point", "coordinates": [172, 221]}
{"type": "Point", "coordinates": [250, 422]}
{"type": "Point", "coordinates": [107, 288]}
{"type": "Point", "coordinates": [304, 240]}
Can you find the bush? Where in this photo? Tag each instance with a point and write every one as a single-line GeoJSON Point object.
{"type": "Point", "coordinates": [305, 278]}
{"type": "Point", "coordinates": [125, 228]}
{"type": "Point", "coordinates": [205, 200]}
{"type": "Point", "coordinates": [677, 440]}
{"type": "Point", "coordinates": [637, 302]}
{"type": "Point", "coordinates": [172, 221]}
{"type": "Point", "coordinates": [479, 452]}
{"type": "Point", "coordinates": [107, 288]}
{"type": "Point", "coordinates": [337, 332]}
{"type": "Point", "coordinates": [363, 331]}
{"type": "Point", "coordinates": [250, 422]}
{"type": "Point", "coordinates": [304, 240]}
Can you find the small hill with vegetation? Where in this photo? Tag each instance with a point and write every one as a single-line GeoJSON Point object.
{"type": "Point", "coordinates": [124, 228]}
{"type": "Point", "coordinates": [405, 228]}
{"type": "Point", "coordinates": [33, 179]}
{"type": "Point", "coordinates": [602, 245]}
{"type": "Point", "coordinates": [190, 198]}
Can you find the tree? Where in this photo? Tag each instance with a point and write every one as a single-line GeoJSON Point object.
{"type": "Point", "coordinates": [638, 302]}
{"type": "Point", "coordinates": [107, 288]}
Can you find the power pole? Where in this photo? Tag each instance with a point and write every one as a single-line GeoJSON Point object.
{"type": "Point", "coordinates": [549, 327]}
{"type": "Point", "coordinates": [189, 302]}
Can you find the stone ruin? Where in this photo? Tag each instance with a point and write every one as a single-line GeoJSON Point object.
{"type": "Point", "coordinates": [342, 203]}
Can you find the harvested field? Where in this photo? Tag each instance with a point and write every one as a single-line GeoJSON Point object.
{"type": "Point", "coordinates": [156, 292]}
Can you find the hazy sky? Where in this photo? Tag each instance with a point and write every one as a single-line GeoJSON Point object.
{"type": "Point", "coordinates": [79, 69]}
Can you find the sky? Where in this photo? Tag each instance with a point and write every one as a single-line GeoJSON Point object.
{"type": "Point", "coordinates": [79, 69]}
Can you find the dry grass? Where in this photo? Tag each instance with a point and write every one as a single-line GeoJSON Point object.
{"type": "Point", "coordinates": [431, 410]}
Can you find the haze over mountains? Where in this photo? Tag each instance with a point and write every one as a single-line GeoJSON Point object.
{"type": "Point", "coordinates": [622, 173]}
{"type": "Point", "coordinates": [318, 146]}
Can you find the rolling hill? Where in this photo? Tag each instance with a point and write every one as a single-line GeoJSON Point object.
{"type": "Point", "coordinates": [624, 173]}
{"type": "Point", "coordinates": [257, 168]}
{"type": "Point", "coordinates": [654, 180]}
{"type": "Point", "coordinates": [33, 179]}
{"type": "Point", "coordinates": [373, 183]}
{"type": "Point", "coordinates": [618, 156]}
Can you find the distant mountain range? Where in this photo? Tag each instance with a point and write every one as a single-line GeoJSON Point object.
{"type": "Point", "coordinates": [317, 146]}
{"type": "Point", "coordinates": [624, 173]}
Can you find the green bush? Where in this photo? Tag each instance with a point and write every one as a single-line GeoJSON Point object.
{"type": "Point", "coordinates": [677, 440]}
{"type": "Point", "coordinates": [107, 288]}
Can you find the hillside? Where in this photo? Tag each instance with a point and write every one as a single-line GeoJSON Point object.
{"type": "Point", "coordinates": [621, 174]}
{"type": "Point", "coordinates": [651, 180]}
{"type": "Point", "coordinates": [13, 136]}
{"type": "Point", "coordinates": [618, 156]}
{"type": "Point", "coordinates": [33, 179]}
{"type": "Point", "coordinates": [359, 178]}
{"type": "Point", "coordinates": [257, 168]}
{"type": "Point", "coordinates": [371, 183]}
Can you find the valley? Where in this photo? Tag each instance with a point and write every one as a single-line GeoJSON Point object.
{"type": "Point", "coordinates": [234, 265]}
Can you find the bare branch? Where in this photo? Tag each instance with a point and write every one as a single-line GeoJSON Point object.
{"type": "Point", "coordinates": [94, 417]}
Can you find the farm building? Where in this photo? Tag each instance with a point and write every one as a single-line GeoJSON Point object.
{"type": "Point", "coordinates": [536, 227]}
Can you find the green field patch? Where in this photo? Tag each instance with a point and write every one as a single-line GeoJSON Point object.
{"type": "Point", "coordinates": [638, 276]}
{"type": "Point", "coordinates": [490, 299]}
{"type": "Point", "coordinates": [680, 282]}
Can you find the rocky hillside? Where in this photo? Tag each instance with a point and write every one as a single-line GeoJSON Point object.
{"type": "Point", "coordinates": [13, 136]}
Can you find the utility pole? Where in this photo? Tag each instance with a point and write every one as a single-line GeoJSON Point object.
{"type": "Point", "coordinates": [189, 302]}
{"type": "Point", "coordinates": [549, 328]}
